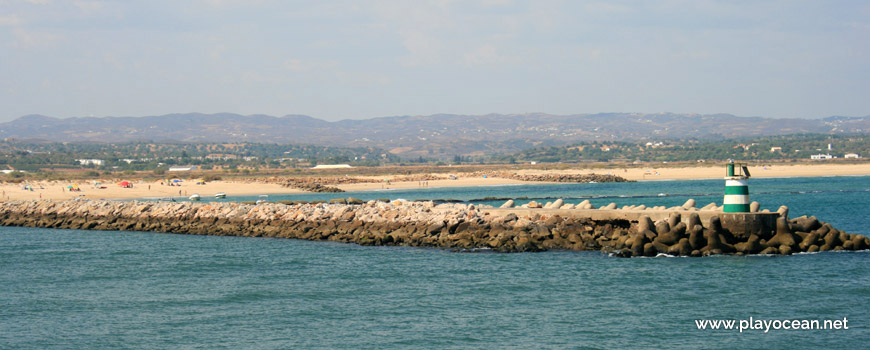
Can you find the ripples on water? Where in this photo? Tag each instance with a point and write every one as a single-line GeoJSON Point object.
{"type": "Point", "coordinates": [107, 290]}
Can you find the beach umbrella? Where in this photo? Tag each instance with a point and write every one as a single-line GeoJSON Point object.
{"type": "Point", "coordinates": [176, 180]}
{"type": "Point", "coordinates": [124, 183]}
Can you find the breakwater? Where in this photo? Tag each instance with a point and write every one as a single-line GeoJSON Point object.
{"type": "Point", "coordinates": [630, 231]}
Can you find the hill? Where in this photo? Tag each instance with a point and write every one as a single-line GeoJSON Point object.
{"type": "Point", "coordinates": [439, 135]}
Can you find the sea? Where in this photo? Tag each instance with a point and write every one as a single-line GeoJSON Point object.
{"type": "Point", "coordinates": [74, 289]}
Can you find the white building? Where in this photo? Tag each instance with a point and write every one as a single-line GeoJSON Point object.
{"type": "Point", "coordinates": [821, 156]}
{"type": "Point", "coordinates": [851, 155]}
{"type": "Point", "coordinates": [332, 166]}
{"type": "Point", "coordinates": [97, 162]}
{"type": "Point", "coordinates": [182, 168]}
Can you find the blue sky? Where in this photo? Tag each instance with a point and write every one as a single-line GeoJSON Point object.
{"type": "Point", "coordinates": [362, 59]}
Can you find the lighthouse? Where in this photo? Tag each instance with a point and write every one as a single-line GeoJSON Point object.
{"type": "Point", "coordinates": [736, 188]}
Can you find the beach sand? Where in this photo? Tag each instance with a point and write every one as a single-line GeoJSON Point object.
{"type": "Point", "coordinates": [56, 190]}
{"type": "Point", "coordinates": [717, 172]}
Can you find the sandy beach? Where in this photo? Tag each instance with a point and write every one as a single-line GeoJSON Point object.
{"type": "Point", "coordinates": [718, 171]}
{"type": "Point", "coordinates": [57, 190]}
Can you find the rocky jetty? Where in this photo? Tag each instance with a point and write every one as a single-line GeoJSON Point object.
{"type": "Point", "coordinates": [578, 178]}
{"type": "Point", "coordinates": [312, 184]}
{"type": "Point", "coordinates": [328, 183]}
{"type": "Point", "coordinates": [451, 225]}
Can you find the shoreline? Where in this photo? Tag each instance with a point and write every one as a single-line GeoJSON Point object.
{"type": "Point", "coordinates": [56, 190]}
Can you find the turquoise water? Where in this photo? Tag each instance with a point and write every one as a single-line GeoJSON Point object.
{"type": "Point", "coordinates": [108, 290]}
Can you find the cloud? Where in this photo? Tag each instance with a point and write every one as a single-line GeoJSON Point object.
{"type": "Point", "coordinates": [496, 2]}
{"type": "Point", "coordinates": [426, 29]}
{"type": "Point", "coordinates": [423, 49]}
{"type": "Point", "coordinates": [298, 65]}
{"type": "Point", "coordinates": [221, 4]}
{"type": "Point", "coordinates": [32, 39]}
{"type": "Point", "coordinates": [89, 7]}
{"type": "Point", "coordinates": [607, 7]}
{"type": "Point", "coordinates": [488, 55]}
{"type": "Point", "coordinates": [216, 51]}
{"type": "Point", "coordinates": [10, 21]}
{"type": "Point", "coordinates": [361, 79]}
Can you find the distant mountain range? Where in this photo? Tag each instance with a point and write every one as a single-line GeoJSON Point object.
{"type": "Point", "coordinates": [436, 135]}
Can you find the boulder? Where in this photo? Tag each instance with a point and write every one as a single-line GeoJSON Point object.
{"type": "Point", "coordinates": [689, 204]}
{"type": "Point", "coordinates": [848, 245]}
{"type": "Point", "coordinates": [751, 246]}
{"type": "Point", "coordinates": [672, 236]}
{"type": "Point", "coordinates": [673, 219]}
{"type": "Point", "coordinates": [711, 206]}
{"type": "Point", "coordinates": [754, 207]}
{"type": "Point", "coordinates": [769, 251]}
{"type": "Point", "coordinates": [811, 239]}
{"type": "Point", "coordinates": [691, 220]}
{"type": "Point", "coordinates": [783, 235]}
{"type": "Point", "coordinates": [832, 240]}
{"type": "Point", "coordinates": [644, 224]}
{"type": "Point", "coordinates": [696, 237]}
{"type": "Point", "coordinates": [662, 227]}
{"type": "Point", "coordinates": [682, 248]}
{"type": "Point", "coordinates": [805, 224]}
{"type": "Point", "coordinates": [715, 244]}
{"type": "Point", "coordinates": [624, 253]}
{"type": "Point", "coordinates": [783, 211]}
{"type": "Point", "coordinates": [649, 250]}
{"type": "Point", "coordinates": [860, 242]}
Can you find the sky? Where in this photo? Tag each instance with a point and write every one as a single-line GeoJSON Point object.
{"type": "Point", "coordinates": [361, 59]}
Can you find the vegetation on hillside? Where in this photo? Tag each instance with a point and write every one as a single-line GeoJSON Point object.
{"type": "Point", "coordinates": [788, 147]}
{"type": "Point", "coordinates": [57, 160]}
{"type": "Point", "coordinates": [34, 157]}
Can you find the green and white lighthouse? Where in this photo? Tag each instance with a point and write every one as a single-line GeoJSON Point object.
{"type": "Point", "coordinates": [736, 188]}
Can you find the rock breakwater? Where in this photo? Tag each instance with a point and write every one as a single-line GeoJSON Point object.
{"type": "Point", "coordinates": [450, 225]}
{"type": "Point", "coordinates": [311, 184]}
{"type": "Point", "coordinates": [574, 178]}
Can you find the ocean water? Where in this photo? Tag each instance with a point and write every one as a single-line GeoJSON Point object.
{"type": "Point", "coordinates": [107, 290]}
